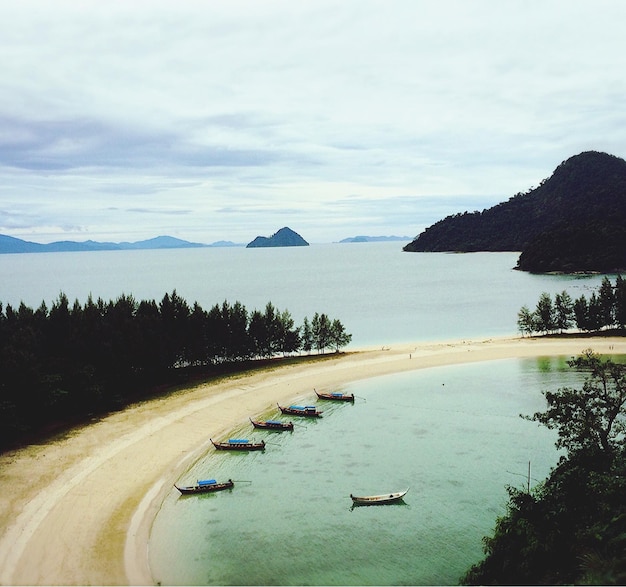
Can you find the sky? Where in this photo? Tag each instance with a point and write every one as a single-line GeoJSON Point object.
{"type": "Point", "coordinates": [226, 119]}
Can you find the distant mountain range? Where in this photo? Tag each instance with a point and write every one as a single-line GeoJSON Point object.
{"type": "Point", "coordinates": [575, 221]}
{"type": "Point", "coordinates": [375, 239]}
{"type": "Point", "coordinates": [9, 244]}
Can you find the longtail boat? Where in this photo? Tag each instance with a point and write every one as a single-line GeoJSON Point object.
{"type": "Point", "coordinates": [205, 486]}
{"type": "Point", "coordinates": [272, 425]}
{"type": "Point", "coordinates": [239, 444]}
{"type": "Point", "coordinates": [336, 396]}
{"type": "Point", "coordinates": [378, 499]}
{"type": "Point", "coordinates": [306, 411]}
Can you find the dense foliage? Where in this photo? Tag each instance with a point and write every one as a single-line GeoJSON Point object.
{"type": "Point", "coordinates": [70, 361]}
{"type": "Point", "coordinates": [572, 222]}
{"type": "Point", "coordinates": [571, 529]}
{"type": "Point", "coordinates": [605, 308]}
{"type": "Point", "coordinates": [587, 247]}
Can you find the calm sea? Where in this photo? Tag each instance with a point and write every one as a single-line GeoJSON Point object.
{"type": "Point", "coordinates": [453, 435]}
{"type": "Point", "coordinates": [381, 294]}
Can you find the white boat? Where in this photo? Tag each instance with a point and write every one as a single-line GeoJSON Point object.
{"type": "Point", "coordinates": [378, 499]}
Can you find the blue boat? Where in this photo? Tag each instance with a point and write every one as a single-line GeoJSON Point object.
{"type": "Point", "coordinates": [336, 396]}
{"type": "Point", "coordinates": [272, 425]}
{"type": "Point", "coordinates": [239, 444]}
{"type": "Point", "coordinates": [305, 411]}
{"type": "Point", "coordinates": [205, 486]}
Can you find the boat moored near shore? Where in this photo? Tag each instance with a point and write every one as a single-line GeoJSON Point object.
{"type": "Point", "coordinates": [305, 411]}
{"type": "Point", "coordinates": [272, 425]}
{"type": "Point", "coordinates": [336, 396]}
{"type": "Point", "coordinates": [205, 486]}
{"type": "Point", "coordinates": [239, 444]}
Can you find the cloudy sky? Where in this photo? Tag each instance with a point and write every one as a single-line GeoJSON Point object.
{"type": "Point", "coordinates": [227, 119]}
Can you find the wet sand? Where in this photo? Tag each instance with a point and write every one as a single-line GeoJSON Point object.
{"type": "Point", "coordinates": [78, 510]}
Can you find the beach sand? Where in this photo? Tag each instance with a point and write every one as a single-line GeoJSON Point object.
{"type": "Point", "coordinates": [78, 510]}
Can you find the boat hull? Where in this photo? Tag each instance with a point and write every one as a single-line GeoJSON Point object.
{"type": "Point", "coordinates": [192, 489]}
{"type": "Point", "coordinates": [309, 412]}
{"type": "Point", "coordinates": [336, 397]}
{"type": "Point", "coordinates": [239, 446]}
{"type": "Point", "coordinates": [268, 425]}
{"type": "Point", "coordinates": [383, 499]}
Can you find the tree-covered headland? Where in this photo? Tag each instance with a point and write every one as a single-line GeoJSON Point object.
{"type": "Point", "coordinates": [571, 528]}
{"type": "Point", "coordinates": [573, 221]}
{"type": "Point", "coordinates": [72, 361]}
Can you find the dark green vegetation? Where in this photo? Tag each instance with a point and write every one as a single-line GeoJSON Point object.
{"type": "Point", "coordinates": [570, 529]}
{"type": "Point", "coordinates": [605, 308]}
{"type": "Point", "coordinates": [64, 364]}
{"type": "Point", "coordinates": [285, 237]}
{"type": "Point", "coordinates": [574, 221]}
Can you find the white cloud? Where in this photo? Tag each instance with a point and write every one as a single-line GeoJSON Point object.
{"type": "Point", "coordinates": [227, 119]}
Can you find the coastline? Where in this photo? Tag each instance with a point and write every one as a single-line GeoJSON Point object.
{"type": "Point", "coordinates": [78, 510]}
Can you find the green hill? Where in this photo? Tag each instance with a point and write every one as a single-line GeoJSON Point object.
{"type": "Point", "coordinates": [574, 221]}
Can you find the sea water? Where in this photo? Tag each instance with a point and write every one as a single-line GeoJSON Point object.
{"type": "Point", "coordinates": [381, 294]}
{"type": "Point", "coordinates": [452, 435]}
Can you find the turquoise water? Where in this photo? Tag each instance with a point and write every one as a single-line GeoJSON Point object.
{"type": "Point", "coordinates": [453, 435]}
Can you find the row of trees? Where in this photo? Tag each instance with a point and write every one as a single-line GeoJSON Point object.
{"type": "Point", "coordinates": [70, 361]}
{"type": "Point", "coordinates": [570, 529]}
{"type": "Point", "coordinates": [605, 308]}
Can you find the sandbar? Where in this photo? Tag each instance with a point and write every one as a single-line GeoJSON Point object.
{"type": "Point", "coordinates": [78, 510]}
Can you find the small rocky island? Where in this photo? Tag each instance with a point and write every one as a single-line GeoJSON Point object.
{"type": "Point", "coordinates": [285, 237]}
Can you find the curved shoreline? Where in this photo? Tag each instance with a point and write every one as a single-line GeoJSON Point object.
{"type": "Point", "coordinates": [79, 510]}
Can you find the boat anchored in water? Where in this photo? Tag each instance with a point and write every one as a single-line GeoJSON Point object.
{"type": "Point", "coordinates": [305, 411]}
{"type": "Point", "coordinates": [272, 425]}
{"type": "Point", "coordinates": [239, 444]}
{"type": "Point", "coordinates": [378, 499]}
{"type": "Point", "coordinates": [336, 396]}
{"type": "Point", "coordinates": [205, 486]}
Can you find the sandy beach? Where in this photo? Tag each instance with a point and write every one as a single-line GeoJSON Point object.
{"type": "Point", "coordinates": [78, 510]}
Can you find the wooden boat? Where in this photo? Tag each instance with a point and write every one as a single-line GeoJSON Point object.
{"type": "Point", "coordinates": [272, 425]}
{"type": "Point", "coordinates": [336, 396]}
{"type": "Point", "coordinates": [378, 499]}
{"type": "Point", "coordinates": [239, 444]}
{"type": "Point", "coordinates": [205, 486]}
{"type": "Point", "coordinates": [305, 411]}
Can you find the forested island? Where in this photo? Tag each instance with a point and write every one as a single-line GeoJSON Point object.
{"type": "Point", "coordinates": [63, 364]}
{"type": "Point", "coordinates": [574, 221]}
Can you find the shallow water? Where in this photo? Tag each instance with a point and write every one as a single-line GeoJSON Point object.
{"type": "Point", "coordinates": [451, 434]}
